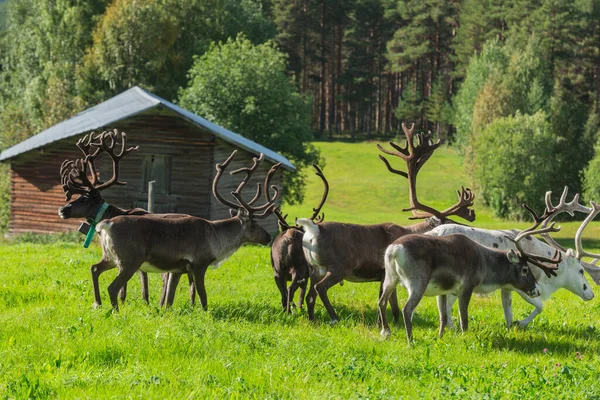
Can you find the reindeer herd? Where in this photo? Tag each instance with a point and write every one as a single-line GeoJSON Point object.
{"type": "Point", "coordinates": [437, 257]}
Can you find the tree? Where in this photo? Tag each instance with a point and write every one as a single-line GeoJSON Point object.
{"type": "Point", "coordinates": [491, 60]}
{"type": "Point", "coordinates": [591, 178]}
{"type": "Point", "coordinates": [437, 106]}
{"type": "Point", "coordinates": [478, 22]}
{"type": "Point", "coordinates": [39, 51]}
{"type": "Point", "coordinates": [515, 164]}
{"type": "Point", "coordinates": [410, 106]}
{"type": "Point", "coordinates": [244, 88]}
{"type": "Point", "coordinates": [131, 46]}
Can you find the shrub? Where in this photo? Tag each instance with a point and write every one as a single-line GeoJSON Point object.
{"type": "Point", "coordinates": [514, 163]}
{"type": "Point", "coordinates": [244, 87]}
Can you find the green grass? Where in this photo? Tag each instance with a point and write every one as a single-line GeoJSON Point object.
{"type": "Point", "coordinates": [53, 344]}
{"type": "Point", "coordinates": [363, 191]}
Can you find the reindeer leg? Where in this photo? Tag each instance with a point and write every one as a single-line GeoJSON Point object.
{"type": "Point", "coordinates": [312, 297]}
{"type": "Point", "coordinates": [393, 299]}
{"type": "Point", "coordinates": [123, 293]}
{"type": "Point", "coordinates": [172, 283]}
{"type": "Point", "coordinates": [507, 306]}
{"type": "Point", "coordinates": [124, 275]}
{"type": "Point", "coordinates": [537, 303]}
{"type": "Point", "coordinates": [321, 287]}
{"type": "Point", "coordinates": [450, 300]}
{"type": "Point", "coordinates": [386, 290]}
{"type": "Point", "coordinates": [144, 283]}
{"type": "Point", "coordinates": [96, 270]}
{"type": "Point", "coordinates": [443, 311]}
{"type": "Point", "coordinates": [163, 292]}
{"type": "Point", "coordinates": [463, 307]}
{"type": "Point", "coordinates": [281, 285]}
{"type": "Point", "coordinates": [291, 291]}
{"type": "Point", "coordinates": [199, 271]}
{"type": "Point", "coordinates": [302, 292]}
{"type": "Point", "coordinates": [192, 289]}
{"type": "Point", "coordinates": [415, 294]}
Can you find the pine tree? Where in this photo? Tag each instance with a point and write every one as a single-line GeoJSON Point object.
{"type": "Point", "coordinates": [410, 106]}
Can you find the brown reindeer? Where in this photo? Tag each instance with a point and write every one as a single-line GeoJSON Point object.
{"type": "Point", "coordinates": [75, 180]}
{"type": "Point", "coordinates": [185, 244]}
{"type": "Point", "coordinates": [339, 251]}
{"type": "Point", "coordinates": [455, 264]}
{"type": "Point", "coordinates": [81, 177]}
{"type": "Point", "coordinates": [287, 256]}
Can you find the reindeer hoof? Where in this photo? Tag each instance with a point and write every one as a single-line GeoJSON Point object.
{"type": "Point", "coordinates": [386, 333]}
{"type": "Point", "coordinates": [96, 306]}
{"type": "Point", "coordinates": [333, 322]}
{"type": "Point", "coordinates": [521, 324]}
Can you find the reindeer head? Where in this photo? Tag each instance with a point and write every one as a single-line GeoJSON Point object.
{"type": "Point", "coordinates": [245, 211]}
{"type": "Point", "coordinates": [572, 266]}
{"type": "Point", "coordinates": [524, 280]}
{"type": "Point", "coordinates": [548, 265]}
{"type": "Point", "coordinates": [80, 176]}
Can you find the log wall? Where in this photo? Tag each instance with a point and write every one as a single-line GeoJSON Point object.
{"type": "Point", "coordinates": [36, 193]}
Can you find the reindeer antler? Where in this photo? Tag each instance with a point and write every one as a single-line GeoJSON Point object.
{"type": "Point", "coordinates": [535, 259]}
{"type": "Point", "coordinates": [80, 176]}
{"type": "Point", "coordinates": [108, 141]}
{"type": "Point", "coordinates": [277, 211]}
{"type": "Point", "coordinates": [415, 157]}
{"type": "Point", "coordinates": [570, 208]}
{"type": "Point", "coordinates": [74, 177]}
{"type": "Point", "coordinates": [267, 208]}
{"type": "Point", "coordinates": [579, 251]}
{"type": "Point", "coordinates": [320, 218]}
{"type": "Point", "coordinates": [90, 152]}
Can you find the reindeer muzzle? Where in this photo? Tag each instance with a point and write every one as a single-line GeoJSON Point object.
{"type": "Point", "coordinates": [64, 211]}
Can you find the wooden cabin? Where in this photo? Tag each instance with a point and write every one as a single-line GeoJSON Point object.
{"type": "Point", "coordinates": [177, 149]}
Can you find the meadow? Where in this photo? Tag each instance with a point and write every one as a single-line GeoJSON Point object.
{"type": "Point", "coordinates": [53, 344]}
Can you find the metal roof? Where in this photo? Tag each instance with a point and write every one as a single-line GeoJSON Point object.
{"type": "Point", "coordinates": [125, 105]}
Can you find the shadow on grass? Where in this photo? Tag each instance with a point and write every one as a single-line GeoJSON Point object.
{"type": "Point", "coordinates": [272, 313]}
{"type": "Point", "coordinates": [259, 313]}
{"type": "Point", "coordinates": [565, 340]}
{"type": "Point", "coordinates": [539, 345]}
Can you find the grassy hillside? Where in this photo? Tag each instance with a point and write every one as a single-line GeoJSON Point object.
{"type": "Point", "coordinates": [363, 191]}
{"type": "Point", "coordinates": [54, 345]}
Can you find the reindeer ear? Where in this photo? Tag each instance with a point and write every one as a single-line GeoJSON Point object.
{"type": "Point", "coordinates": [233, 212]}
{"type": "Point", "coordinates": [513, 257]}
{"type": "Point", "coordinates": [570, 253]}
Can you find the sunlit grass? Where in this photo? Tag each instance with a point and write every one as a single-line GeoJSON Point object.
{"type": "Point", "coordinates": [53, 344]}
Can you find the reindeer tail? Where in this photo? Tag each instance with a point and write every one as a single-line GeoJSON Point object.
{"type": "Point", "coordinates": [395, 253]}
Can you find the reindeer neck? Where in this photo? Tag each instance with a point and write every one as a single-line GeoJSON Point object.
{"type": "Point", "coordinates": [503, 272]}
{"type": "Point", "coordinates": [421, 227]}
{"type": "Point", "coordinates": [114, 211]}
{"type": "Point", "coordinates": [227, 235]}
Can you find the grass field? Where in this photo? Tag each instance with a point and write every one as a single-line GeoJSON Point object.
{"type": "Point", "coordinates": [53, 344]}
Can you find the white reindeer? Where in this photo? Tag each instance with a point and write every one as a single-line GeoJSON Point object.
{"type": "Point", "coordinates": [570, 272]}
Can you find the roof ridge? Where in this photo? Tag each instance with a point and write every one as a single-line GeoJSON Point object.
{"type": "Point", "coordinates": [124, 105]}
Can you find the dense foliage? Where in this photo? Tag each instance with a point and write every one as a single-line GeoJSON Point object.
{"type": "Point", "coordinates": [367, 65]}
{"type": "Point", "coordinates": [245, 88]}
{"type": "Point", "coordinates": [513, 161]}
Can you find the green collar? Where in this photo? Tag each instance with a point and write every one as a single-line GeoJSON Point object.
{"type": "Point", "coordinates": [97, 218]}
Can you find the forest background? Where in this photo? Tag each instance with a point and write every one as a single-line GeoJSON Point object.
{"type": "Point", "coordinates": [512, 84]}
